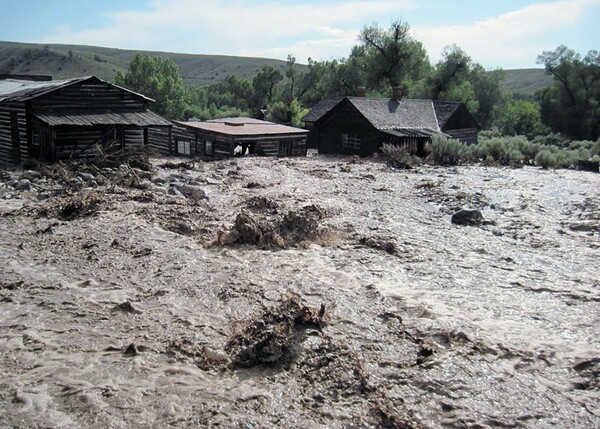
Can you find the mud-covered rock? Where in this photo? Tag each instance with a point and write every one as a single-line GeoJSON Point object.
{"type": "Point", "coordinates": [262, 204]}
{"type": "Point", "coordinates": [386, 244]}
{"type": "Point", "coordinates": [467, 217]}
{"type": "Point", "coordinates": [30, 175]}
{"type": "Point", "coordinates": [23, 185]}
{"type": "Point", "coordinates": [585, 225]}
{"type": "Point", "coordinates": [248, 229]}
{"type": "Point", "coordinates": [192, 192]}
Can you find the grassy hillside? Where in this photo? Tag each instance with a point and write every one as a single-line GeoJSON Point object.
{"type": "Point", "coordinates": [65, 61]}
{"type": "Point", "coordinates": [525, 81]}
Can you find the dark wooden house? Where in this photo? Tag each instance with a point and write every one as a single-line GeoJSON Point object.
{"type": "Point", "coordinates": [227, 137]}
{"type": "Point", "coordinates": [359, 125]}
{"type": "Point", "coordinates": [53, 120]}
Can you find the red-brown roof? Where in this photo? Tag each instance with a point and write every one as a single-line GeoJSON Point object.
{"type": "Point", "coordinates": [243, 127]}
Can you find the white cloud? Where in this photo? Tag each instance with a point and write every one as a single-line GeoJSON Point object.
{"type": "Point", "coordinates": [234, 27]}
{"type": "Point", "coordinates": [511, 39]}
{"type": "Point", "coordinates": [323, 30]}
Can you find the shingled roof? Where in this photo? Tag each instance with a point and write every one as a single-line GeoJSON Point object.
{"type": "Point", "coordinates": [16, 90]}
{"type": "Point", "coordinates": [405, 117]}
{"type": "Point", "coordinates": [444, 110]}
{"type": "Point", "coordinates": [322, 107]}
{"type": "Point", "coordinates": [388, 113]}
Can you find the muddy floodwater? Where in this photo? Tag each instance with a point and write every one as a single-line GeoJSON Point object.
{"type": "Point", "coordinates": [303, 293]}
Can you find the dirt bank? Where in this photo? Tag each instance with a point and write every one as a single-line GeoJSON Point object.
{"type": "Point", "coordinates": [317, 292]}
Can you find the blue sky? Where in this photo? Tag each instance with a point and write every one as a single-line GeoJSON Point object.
{"type": "Point", "coordinates": [507, 34]}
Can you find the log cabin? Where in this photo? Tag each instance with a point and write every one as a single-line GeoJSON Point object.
{"type": "Point", "coordinates": [50, 120]}
{"type": "Point", "coordinates": [360, 125]}
{"type": "Point", "coordinates": [227, 137]}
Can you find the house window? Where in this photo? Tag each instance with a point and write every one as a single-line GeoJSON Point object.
{"type": "Point", "coordinates": [208, 148]}
{"type": "Point", "coordinates": [350, 141]}
{"type": "Point", "coordinates": [184, 147]}
{"type": "Point", "coordinates": [285, 148]}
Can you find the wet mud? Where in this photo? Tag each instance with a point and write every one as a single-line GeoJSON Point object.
{"type": "Point", "coordinates": [320, 292]}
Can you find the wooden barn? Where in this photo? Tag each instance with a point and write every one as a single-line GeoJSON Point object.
{"type": "Point", "coordinates": [227, 137]}
{"type": "Point", "coordinates": [51, 120]}
{"type": "Point", "coordinates": [359, 125]}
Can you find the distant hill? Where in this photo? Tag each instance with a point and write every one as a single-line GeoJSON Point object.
{"type": "Point", "coordinates": [525, 81]}
{"type": "Point", "coordinates": [66, 61]}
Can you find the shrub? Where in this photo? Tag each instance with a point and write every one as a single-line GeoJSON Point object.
{"type": "Point", "coordinates": [398, 155]}
{"type": "Point", "coordinates": [446, 151]}
{"type": "Point", "coordinates": [552, 139]}
{"type": "Point", "coordinates": [545, 159]}
{"type": "Point", "coordinates": [566, 158]}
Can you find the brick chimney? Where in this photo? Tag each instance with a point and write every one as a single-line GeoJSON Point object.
{"type": "Point", "coordinates": [361, 91]}
{"type": "Point", "coordinates": [397, 93]}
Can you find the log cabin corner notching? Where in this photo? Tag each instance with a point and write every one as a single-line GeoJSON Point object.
{"type": "Point", "coordinates": [61, 119]}
{"type": "Point", "coordinates": [226, 137]}
{"type": "Point", "coordinates": [359, 125]}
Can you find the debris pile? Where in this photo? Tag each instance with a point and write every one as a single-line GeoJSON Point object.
{"type": "Point", "coordinates": [272, 337]}
{"type": "Point", "coordinates": [271, 230]}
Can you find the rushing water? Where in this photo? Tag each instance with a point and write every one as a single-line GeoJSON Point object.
{"type": "Point", "coordinates": [483, 326]}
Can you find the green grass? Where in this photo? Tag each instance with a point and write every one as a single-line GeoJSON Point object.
{"type": "Point", "coordinates": [196, 70]}
{"type": "Point", "coordinates": [525, 81]}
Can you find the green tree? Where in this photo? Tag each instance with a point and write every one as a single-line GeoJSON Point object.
{"type": "Point", "coordinates": [487, 86]}
{"type": "Point", "coordinates": [289, 113]}
{"type": "Point", "coordinates": [391, 57]}
{"type": "Point", "coordinates": [572, 105]}
{"type": "Point", "coordinates": [265, 85]}
{"type": "Point", "coordinates": [457, 78]}
{"type": "Point", "coordinates": [159, 79]}
{"type": "Point", "coordinates": [290, 74]}
{"type": "Point", "coordinates": [522, 118]}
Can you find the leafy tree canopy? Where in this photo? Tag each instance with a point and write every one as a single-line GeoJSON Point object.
{"type": "Point", "coordinates": [391, 57]}
{"type": "Point", "coordinates": [159, 79]}
{"type": "Point", "coordinates": [572, 105]}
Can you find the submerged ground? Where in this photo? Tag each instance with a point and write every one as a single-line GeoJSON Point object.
{"type": "Point", "coordinates": [342, 296]}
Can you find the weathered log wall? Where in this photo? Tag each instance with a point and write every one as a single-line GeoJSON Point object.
{"type": "Point", "coordinates": [465, 135]}
{"type": "Point", "coordinates": [345, 119]}
{"type": "Point", "coordinates": [13, 133]}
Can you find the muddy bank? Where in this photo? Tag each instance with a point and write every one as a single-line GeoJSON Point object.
{"type": "Point", "coordinates": [126, 302]}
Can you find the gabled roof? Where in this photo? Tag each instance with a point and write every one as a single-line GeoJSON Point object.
{"type": "Point", "coordinates": [322, 107]}
{"type": "Point", "coordinates": [24, 90]}
{"type": "Point", "coordinates": [405, 117]}
{"type": "Point", "coordinates": [243, 127]}
{"type": "Point", "coordinates": [388, 113]}
{"type": "Point", "coordinates": [444, 110]}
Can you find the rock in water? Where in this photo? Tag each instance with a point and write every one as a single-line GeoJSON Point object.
{"type": "Point", "coordinates": [467, 217]}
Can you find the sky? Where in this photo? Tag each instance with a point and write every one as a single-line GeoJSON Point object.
{"type": "Point", "coordinates": [497, 34]}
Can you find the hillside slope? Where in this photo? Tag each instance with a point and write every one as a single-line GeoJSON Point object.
{"type": "Point", "coordinates": [525, 81]}
{"type": "Point", "coordinates": [65, 61]}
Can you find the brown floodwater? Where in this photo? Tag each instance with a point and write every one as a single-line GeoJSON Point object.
{"type": "Point", "coordinates": [130, 314]}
